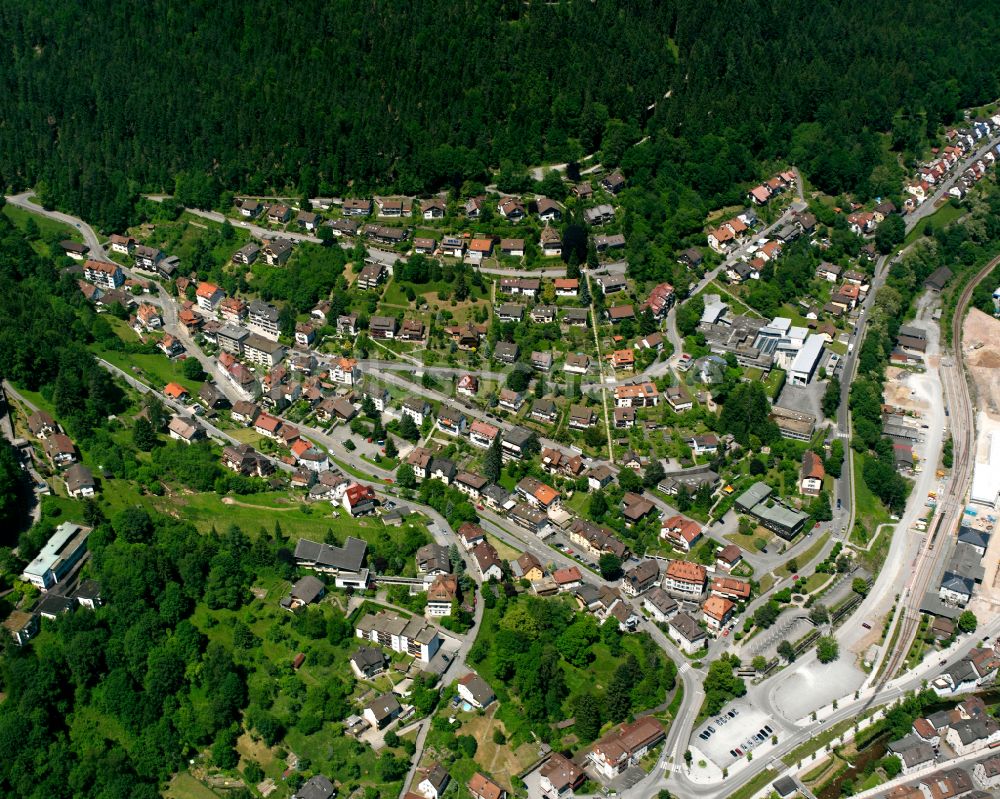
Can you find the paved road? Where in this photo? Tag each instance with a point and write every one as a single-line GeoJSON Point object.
{"type": "Point", "coordinates": [93, 241]}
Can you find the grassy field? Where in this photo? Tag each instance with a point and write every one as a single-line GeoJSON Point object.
{"type": "Point", "coordinates": [297, 520]}
{"type": "Point", "coordinates": [49, 229]}
{"type": "Point", "coordinates": [806, 556]}
{"type": "Point", "coordinates": [941, 217]}
{"type": "Point", "coordinates": [869, 510]}
{"type": "Point", "coordinates": [185, 786]}
{"type": "Point", "coordinates": [154, 368]}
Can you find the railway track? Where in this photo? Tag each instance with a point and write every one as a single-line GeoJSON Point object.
{"type": "Point", "coordinates": [959, 403]}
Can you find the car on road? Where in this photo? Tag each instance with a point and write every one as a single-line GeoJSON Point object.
{"type": "Point", "coordinates": [767, 727]}
{"type": "Point", "coordinates": [704, 735]}
{"type": "Point", "coordinates": [866, 625]}
{"type": "Point", "coordinates": [479, 507]}
{"type": "Point", "coordinates": [733, 713]}
{"type": "Point", "coordinates": [725, 633]}
{"type": "Point", "coordinates": [569, 551]}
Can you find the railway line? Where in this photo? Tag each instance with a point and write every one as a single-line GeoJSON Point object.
{"type": "Point", "coordinates": [962, 418]}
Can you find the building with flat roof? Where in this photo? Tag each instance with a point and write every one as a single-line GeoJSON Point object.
{"type": "Point", "coordinates": [806, 360]}
{"type": "Point", "coordinates": [60, 553]}
{"type": "Point", "coordinates": [772, 514]}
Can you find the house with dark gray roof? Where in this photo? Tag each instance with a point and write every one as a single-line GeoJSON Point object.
{"type": "Point", "coordinates": [346, 563]}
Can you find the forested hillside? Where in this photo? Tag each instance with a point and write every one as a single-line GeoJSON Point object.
{"type": "Point", "coordinates": [102, 100]}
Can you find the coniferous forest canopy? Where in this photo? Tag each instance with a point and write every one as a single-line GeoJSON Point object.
{"type": "Point", "coordinates": [103, 101]}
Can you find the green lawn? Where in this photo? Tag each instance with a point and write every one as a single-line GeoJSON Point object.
{"type": "Point", "coordinates": [185, 786]}
{"type": "Point", "coordinates": [869, 510]}
{"type": "Point", "coordinates": [297, 520]}
{"type": "Point", "coordinates": [806, 556]}
{"type": "Point", "coordinates": [47, 228]}
{"type": "Point", "coordinates": [155, 368]}
{"type": "Point", "coordinates": [941, 217]}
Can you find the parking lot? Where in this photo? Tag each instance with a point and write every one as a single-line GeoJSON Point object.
{"type": "Point", "coordinates": [737, 733]}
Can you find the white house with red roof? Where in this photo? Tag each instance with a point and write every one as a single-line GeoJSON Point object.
{"type": "Point", "coordinates": [359, 499]}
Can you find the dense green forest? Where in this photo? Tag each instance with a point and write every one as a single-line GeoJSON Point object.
{"type": "Point", "coordinates": [104, 101]}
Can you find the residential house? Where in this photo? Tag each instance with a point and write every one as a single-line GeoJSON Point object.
{"type": "Point", "coordinates": [550, 242]}
{"type": "Point", "coordinates": [21, 626]}
{"type": "Point", "coordinates": [728, 558]}
{"type": "Point", "coordinates": [515, 441]}
{"type": "Point", "coordinates": [577, 363]}
{"type": "Point", "coordinates": [707, 444]}
{"type": "Point", "coordinates": [305, 334]}
{"type": "Point", "coordinates": [262, 318]}
{"type": "Point", "coordinates": [476, 691]}
{"type": "Point", "coordinates": [79, 481]}
{"type": "Point", "coordinates": [527, 567]}
{"type": "Point", "coordinates": [812, 474]}
{"type": "Point", "coordinates": [471, 535]}
{"type": "Point", "coordinates": [42, 425]}
{"type": "Point", "coordinates": [487, 561]}
{"type": "Point", "coordinates": [105, 275]}
{"type": "Point", "coordinates": [345, 372]}
{"type": "Point", "coordinates": [244, 412]}
{"type": "Point", "coordinates": [567, 579]}
{"type": "Point", "coordinates": [681, 533]}
{"type": "Point", "coordinates": [346, 564]}
{"type": "Point", "coordinates": [581, 417]}
{"type": "Point", "coordinates": [511, 209]}
{"type": "Point", "coordinates": [181, 429]}
{"type": "Point", "coordinates": [614, 182]}
{"type": "Point", "coordinates": [544, 410]}
{"type": "Point", "coordinates": [527, 516]}
{"type": "Point", "coordinates": [685, 578]}
{"type": "Point", "coordinates": [567, 286]}
{"type": "Point", "coordinates": [611, 283]}
{"type": "Point", "coordinates": [510, 312]}
{"type": "Point", "coordinates": [434, 208]}
{"type": "Point", "coordinates": [60, 450]}
{"type": "Point", "coordinates": [263, 351]}
{"type": "Point", "coordinates": [482, 787]}
{"type": "Point", "coordinates": [543, 314]}
{"type": "Point", "coordinates": [356, 207]}
{"type": "Point", "coordinates": [625, 746]}
{"type": "Point", "coordinates": [506, 351]}
{"type": "Point", "coordinates": [549, 210]}
{"type": "Point", "coordinates": [359, 499]}
{"type": "Point", "coordinates": [368, 662]}
{"type": "Point", "coordinates": [382, 711]}
{"type": "Point", "coordinates": [372, 275]}
{"type": "Point", "coordinates": [279, 214]}
{"type": "Point", "coordinates": [560, 776]}
{"type": "Point", "coordinates": [688, 634]}
{"type": "Point", "coordinates": [659, 605]}
{"type": "Point", "coordinates": [424, 245]}
{"type": "Point", "coordinates": [636, 396]}
{"type": "Point", "coordinates": [247, 254]}
{"type": "Point", "coordinates": [451, 421]}
{"type": "Point", "coordinates": [970, 735]}
{"type": "Point", "coordinates": [480, 249]}
{"type": "Point", "coordinates": [277, 252]}
{"type": "Point", "coordinates": [624, 418]}
{"type": "Point", "coordinates": [417, 408]}
{"type": "Point", "coordinates": [383, 327]}
{"type": "Point", "coordinates": [717, 611]}
{"type": "Point", "coordinates": [481, 434]}
{"type": "Point", "coordinates": [596, 540]}
{"type": "Point", "coordinates": [640, 578]}
{"type": "Point", "coordinates": [347, 324]}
